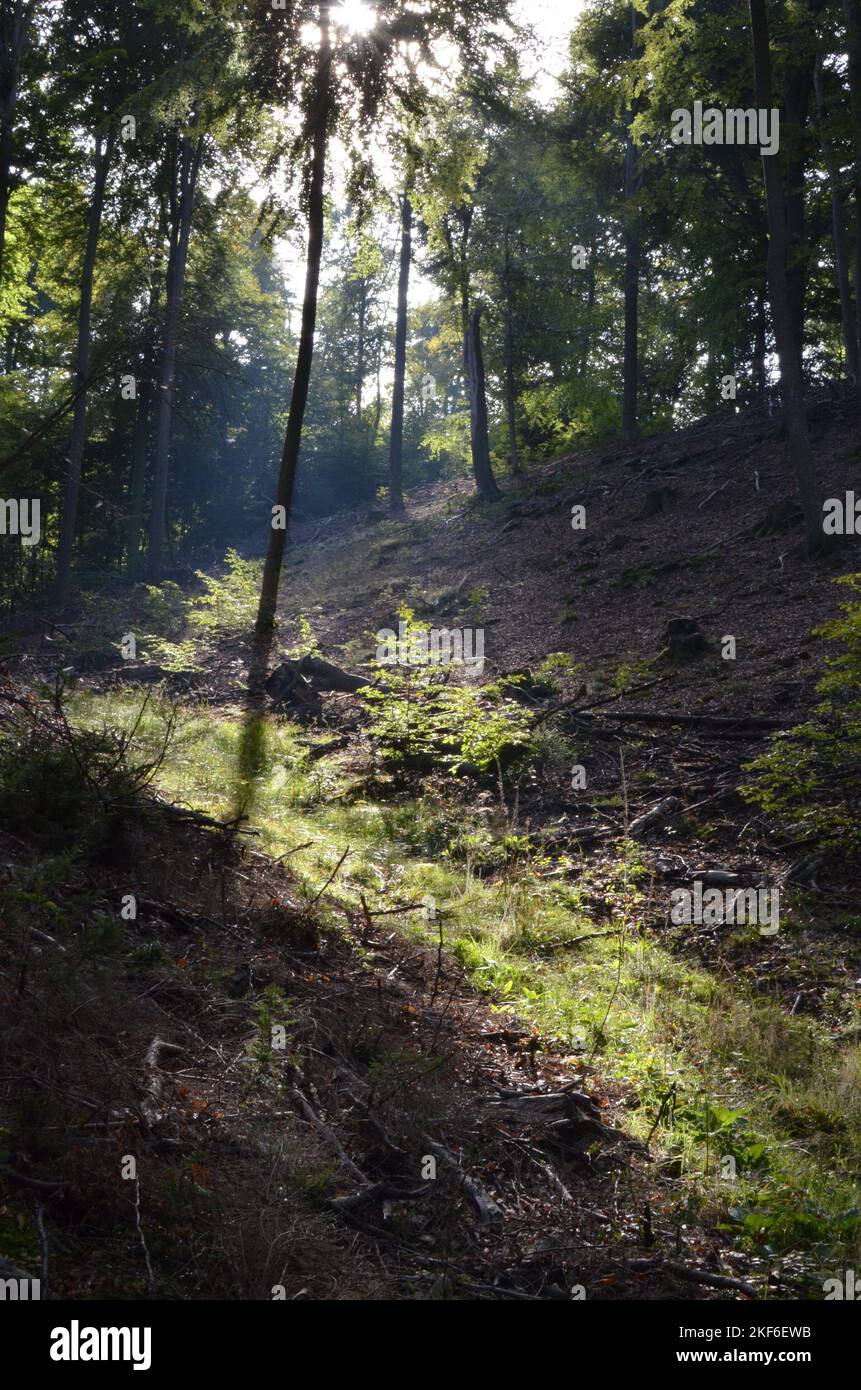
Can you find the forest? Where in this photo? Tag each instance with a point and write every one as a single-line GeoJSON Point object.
{"type": "Point", "coordinates": [430, 660]}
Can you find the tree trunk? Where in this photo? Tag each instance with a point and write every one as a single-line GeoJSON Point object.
{"type": "Point", "coordinates": [508, 352]}
{"type": "Point", "coordinates": [797, 84]}
{"type": "Point", "coordinates": [590, 311]}
{"type": "Point", "coordinates": [841, 265]}
{"type": "Point", "coordinates": [190, 155]}
{"type": "Point", "coordinates": [293, 436]}
{"type": "Point", "coordinates": [396, 438]}
{"type": "Point", "coordinates": [140, 442]}
{"type": "Point", "coordinates": [791, 381]}
{"type": "Point", "coordinates": [481, 465]}
{"type": "Point", "coordinates": [15, 31]}
{"type": "Point", "coordinates": [852, 17]}
{"type": "Point", "coordinates": [759, 338]}
{"type": "Point", "coordinates": [360, 349]}
{"type": "Point", "coordinates": [71, 491]}
{"type": "Point", "coordinates": [631, 242]}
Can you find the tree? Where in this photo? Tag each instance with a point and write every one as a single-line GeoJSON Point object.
{"type": "Point", "coordinates": [16, 17]}
{"type": "Point", "coordinates": [185, 152]}
{"type": "Point", "coordinates": [852, 18]}
{"type": "Point", "coordinates": [102, 154]}
{"type": "Point", "coordinates": [396, 437]}
{"type": "Point", "coordinates": [317, 129]}
{"type": "Point", "coordinates": [785, 327]}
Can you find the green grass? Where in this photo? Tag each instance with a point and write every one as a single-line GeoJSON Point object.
{"type": "Point", "coordinates": [693, 1047]}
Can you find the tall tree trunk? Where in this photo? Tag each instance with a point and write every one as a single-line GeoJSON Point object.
{"type": "Point", "coordinates": [481, 465]}
{"type": "Point", "coordinates": [293, 435]}
{"type": "Point", "coordinates": [791, 380]}
{"type": "Point", "coordinates": [852, 17]}
{"type": "Point", "coordinates": [190, 154]}
{"type": "Point", "coordinates": [797, 84]}
{"type": "Point", "coordinates": [590, 310]}
{"type": "Point", "coordinates": [15, 19]}
{"type": "Point", "coordinates": [631, 242]}
{"type": "Point", "coordinates": [508, 353]}
{"type": "Point", "coordinates": [360, 348]}
{"type": "Point", "coordinates": [838, 238]}
{"type": "Point", "coordinates": [396, 437]}
{"type": "Point", "coordinates": [759, 338]}
{"type": "Point", "coordinates": [140, 441]}
{"type": "Point", "coordinates": [103, 152]}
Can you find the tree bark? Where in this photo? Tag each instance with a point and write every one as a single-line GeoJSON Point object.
{"type": "Point", "coordinates": [293, 437]}
{"type": "Point", "coordinates": [103, 152]}
{"type": "Point", "coordinates": [481, 465]}
{"type": "Point", "coordinates": [360, 349]}
{"type": "Point", "coordinates": [631, 242]}
{"type": "Point", "coordinates": [508, 353]}
{"type": "Point", "coordinates": [759, 327]}
{"type": "Point", "coordinates": [15, 33]}
{"type": "Point", "coordinates": [396, 438]}
{"type": "Point", "coordinates": [190, 155]}
{"type": "Point", "coordinates": [797, 83]}
{"type": "Point", "coordinates": [838, 238]}
{"type": "Point", "coordinates": [852, 17]}
{"type": "Point", "coordinates": [791, 380]}
{"type": "Point", "coordinates": [140, 441]}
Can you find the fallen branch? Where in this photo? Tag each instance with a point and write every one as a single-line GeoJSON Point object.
{"type": "Point", "coordinates": [326, 1133]}
{"type": "Point", "coordinates": [694, 1276]}
{"type": "Point", "coordinates": [485, 1207]}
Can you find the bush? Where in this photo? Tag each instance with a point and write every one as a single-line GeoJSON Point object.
{"type": "Point", "coordinates": [810, 778]}
{"type": "Point", "coordinates": [419, 718]}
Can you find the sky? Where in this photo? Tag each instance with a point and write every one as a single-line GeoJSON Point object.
{"type": "Point", "coordinates": [552, 21]}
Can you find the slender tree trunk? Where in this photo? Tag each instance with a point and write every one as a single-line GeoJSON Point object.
{"type": "Point", "coordinates": [396, 438]}
{"type": "Point", "coordinates": [631, 241]}
{"type": "Point", "coordinates": [293, 436]}
{"type": "Point", "coordinates": [838, 238]}
{"type": "Point", "coordinates": [15, 16]}
{"type": "Point", "coordinates": [791, 380]}
{"type": "Point", "coordinates": [797, 85]}
{"type": "Point", "coordinates": [190, 154]}
{"type": "Point", "coordinates": [759, 339]}
{"type": "Point", "coordinates": [481, 465]}
{"type": "Point", "coordinates": [101, 163]}
{"type": "Point", "coordinates": [852, 17]}
{"type": "Point", "coordinates": [360, 352]}
{"type": "Point", "coordinates": [508, 353]}
{"type": "Point", "coordinates": [590, 311]}
{"type": "Point", "coordinates": [140, 441]}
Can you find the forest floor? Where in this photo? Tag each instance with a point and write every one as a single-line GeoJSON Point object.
{"type": "Point", "coordinates": [616, 1106]}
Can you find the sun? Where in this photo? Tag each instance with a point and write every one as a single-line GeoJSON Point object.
{"type": "Point", "coordinates": [354, 15]}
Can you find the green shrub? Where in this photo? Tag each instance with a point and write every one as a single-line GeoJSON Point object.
{"type": "Point", "coordinates": [809, 781]}
{"type": "Point", "coordinates": [419, 718]}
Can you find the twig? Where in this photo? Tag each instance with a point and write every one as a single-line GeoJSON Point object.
{"type": "Point", "coordinates": [327, 1133]}
{"type": "Point", "coordinates": [43, 1241]}
{"type": "Point", "coordinates": [319, 895]}
{"type": "Point", "coordinates": [150, 1276]}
